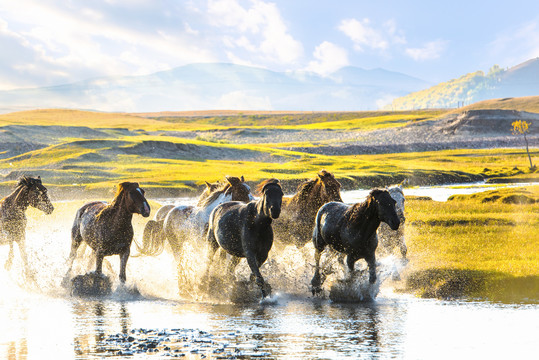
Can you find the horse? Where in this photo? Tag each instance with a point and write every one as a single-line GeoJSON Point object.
{"type": "Point", "coordinates": [153, 237]}
{"type": "Point", "coordinates": [185, 221]}
{"type": "Point", "coordinates": [107, 228]}
{"type": "Point", "coordinates": [295, 225]}
{"type": "Point", "coordinates": [29, 192]}
{"type": "Point", "coordinates": [387, 238]}
{"type": "Point", "coordinates": [351, 229]}
{"type": "Point", "coordinates": [245, 231]}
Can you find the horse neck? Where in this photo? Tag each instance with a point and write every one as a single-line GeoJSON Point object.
{"type": "Point", "coordinates": [306, 196]}
{"type": "Point", "coordinates": [213, 199]}
{"type": "Point", "coordinates": [117, 211]}
{"type": "Point", "coordinates": [18, 199]}
{"type": "Point", "coordinates": [260, 215]}
{"type": "Point", "coordinates": [364, 217]}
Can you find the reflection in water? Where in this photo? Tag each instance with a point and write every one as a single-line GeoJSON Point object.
{"type": "Point", "coordinates": [51, 324]}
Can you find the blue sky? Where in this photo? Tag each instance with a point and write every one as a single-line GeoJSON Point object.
{"type": "Point", "coordinates": [48, 42]}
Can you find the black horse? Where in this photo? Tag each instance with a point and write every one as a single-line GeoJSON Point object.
{"type": "Point", "coordinates": [244, 230]}
{"type": "Point", "coordinates": [351, 229]}
{"type": "Point", "coordinates": [29, 192]}
{"type": "Point", "coordinates": [107, 229]}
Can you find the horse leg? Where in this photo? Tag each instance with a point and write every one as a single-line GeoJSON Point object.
{"type": "Point", "coordinates": [371, 261]}
{"type": "Point", "coordinates": [231, 268]}
{"type": "Point", "coordinates": [316, 283]}
{"type": "Point", "coordinates": [24, 256]}
{"type": "Point", "coordinates": [99, 256]}
{"type": "Point", "coordinates": [253, 264]}
{"type": "Point", "coordinates": [9, 261]}
{"type": "Point", "coordinates": [123, 264]}
{"type": "Point", "coordinates": [350, 263]}
{"type": "Point", "coordinates": [210, 238]}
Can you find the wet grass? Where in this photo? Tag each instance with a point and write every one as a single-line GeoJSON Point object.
{"type": "Point", "coordinates": [468, 247]}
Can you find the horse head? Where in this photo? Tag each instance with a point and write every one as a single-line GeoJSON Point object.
{"type": "Point", "coordinates": [385, 206]}
{"type": "Point", "coordinates": [133, 198]}
{"type": "Point", "coordinates": [330, 187]}
{"type": "Point", "coordinates": [397, 194]}
{"type": "Point", "coordinates": [36, 194]}
{"type": "Point", "coordinates": [272, 197]}
{"type": "Point", "coordinates": [238, 189]}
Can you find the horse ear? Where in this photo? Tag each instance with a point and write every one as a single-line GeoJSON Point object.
{"type": "Point", "coordinates": [208, 185]}
{"type": "Point", "coordinates": [242, 179]}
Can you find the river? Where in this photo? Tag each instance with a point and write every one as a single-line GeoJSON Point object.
{"type": "Point", "coordinates": [43, 321]}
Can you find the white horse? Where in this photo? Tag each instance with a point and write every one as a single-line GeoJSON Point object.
{"type": "Point", "coordinates": [183, 222]}
{"type": "Point", "coordinates": [389, 239]}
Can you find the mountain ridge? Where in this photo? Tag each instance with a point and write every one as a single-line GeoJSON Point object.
{"type": "Point", "coordinates": [205, 86]}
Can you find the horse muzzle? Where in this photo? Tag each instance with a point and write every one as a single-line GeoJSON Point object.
{"type": "Point", "coordinates": [145, 210]}
{"type": "Point", "coordinates": [394, 224]}
{"type": "Point", "coordinates": [47, 208]}
{"type": "Point", "coordinates": [275, 213]}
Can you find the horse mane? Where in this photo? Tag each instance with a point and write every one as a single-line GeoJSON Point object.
{"type": "Point", "coordinates": [305, 189]}
{"type": "Point", "coordinates": [263, 184]}
{"type": "Point", "coordinates": [28, 181]}
{"type": "Point", "coordinates": [360, 210]}
{"type": "Point", "coordinates": [204, 201]}
{"type": "Point", "coordinates": [118, 196]}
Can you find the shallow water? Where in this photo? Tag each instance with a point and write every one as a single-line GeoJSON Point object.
{"type": "Point", "coordinates": [394, 326]}
{"type": "Point", "coordinates": [42, 320]}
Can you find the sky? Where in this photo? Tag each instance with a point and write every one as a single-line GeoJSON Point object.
{"type": "Point", "coordinates": [46, 42]}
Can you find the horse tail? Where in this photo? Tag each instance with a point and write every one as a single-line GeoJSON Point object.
{"type": "Point", "coordinates": [153, 239]}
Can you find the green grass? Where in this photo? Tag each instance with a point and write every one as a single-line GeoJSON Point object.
{"type": "Point", "coordinates": [475, 248]}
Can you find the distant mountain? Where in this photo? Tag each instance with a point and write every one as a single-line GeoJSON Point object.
{"type": "Point", "coordinates": [221, 86]}
{"type": "Point", "coordinates": [518, 81]}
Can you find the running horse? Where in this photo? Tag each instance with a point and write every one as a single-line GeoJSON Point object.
{"type": "Point", "coordinates": [245, 231]}
{"type": "Point", "coordinates": [153, 236]}
{"type": "Point", "coordinates": [29, 192]}
{"type": "Point", "coordinates": [107, 228]}
{"type": "Point", "coordinates": [295, 225]}
{"type": "Point", "coordinates": [182, 222]}
{"type": "Point", "coordinates": [351, 229]}
{"type": "Point", "coordinates": [387, 238]}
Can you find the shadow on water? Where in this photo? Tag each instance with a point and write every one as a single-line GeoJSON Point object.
{"type": "Point", "coordinates": [494, 286]}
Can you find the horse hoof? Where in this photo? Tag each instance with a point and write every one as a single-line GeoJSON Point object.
{"type": "Point", "coordinates": [266, 290]}
{"type": "Point", "coordinates": [316, 290]}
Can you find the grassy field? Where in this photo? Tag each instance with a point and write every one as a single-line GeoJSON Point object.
{"type": "Point", "coordinates": [94, 151]}
{"type": "Point", "coordinates": [475, 246]}
{"type": "Point", "coordinates": [482, 246]}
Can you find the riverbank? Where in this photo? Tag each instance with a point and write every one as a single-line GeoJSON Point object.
{"type": "Point", "coordinates": [480, 246]}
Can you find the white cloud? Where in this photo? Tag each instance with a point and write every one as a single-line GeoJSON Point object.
{"type": "Point", "coordinates": [258, 29]}
{"type": "Point", "coordinates": [68, 42]}
{"type": "Point", "coordinates": [430, 51]}
{"type": "Point", "coordinates": [328, 58]}
{"type": "Point", "coordinates": [362, 34]}
{"type": "Point", "coordinates": [365, 35]}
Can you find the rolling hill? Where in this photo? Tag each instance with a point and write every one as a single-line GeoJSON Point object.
{"type": "Point", "coordinates": [518, 81]}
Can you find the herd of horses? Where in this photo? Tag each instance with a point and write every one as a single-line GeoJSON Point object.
{"type": "Point", "coordinates": [228, 218]}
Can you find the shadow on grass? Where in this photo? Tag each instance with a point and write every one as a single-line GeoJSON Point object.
{"type": "Point", "coordinates": [473, 284]}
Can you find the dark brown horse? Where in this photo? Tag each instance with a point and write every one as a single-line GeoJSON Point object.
{"type": "Point", "coordinates": [107, 228]}
{"type": "Point", "coordinates": [295, 226]}
{"type": "Point", "coordinates": [183, 222]}
{"type": "Point", "coordinates": [29, 192]}
{"type": "Point", "coordinates": [244, 230]}
{"type": "Point", "coordinates": [351, 229]}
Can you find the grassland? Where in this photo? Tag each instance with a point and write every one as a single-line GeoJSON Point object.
{"type": "Point", "coordinates": [475, 246]}
{"type": "Point", "coordinates": [172, 155]}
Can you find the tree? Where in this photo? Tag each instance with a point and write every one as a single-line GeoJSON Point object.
{"type": "Point", "coordinates": [523, 127]}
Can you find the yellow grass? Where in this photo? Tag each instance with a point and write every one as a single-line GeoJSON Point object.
{"type": "Point", "coordinates": [472, 246]}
